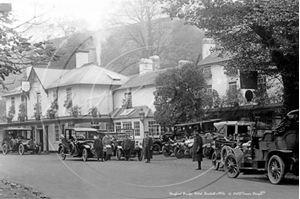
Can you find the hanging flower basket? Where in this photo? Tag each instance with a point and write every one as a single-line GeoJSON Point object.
{"type": "Point", "coordinates": [94, 111]}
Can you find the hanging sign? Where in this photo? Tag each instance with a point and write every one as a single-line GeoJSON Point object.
{"type": "Point", "coordinates": [25, 86]}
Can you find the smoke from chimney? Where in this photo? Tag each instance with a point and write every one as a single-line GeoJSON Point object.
{"type": "Point", "coordinates": [99, 38]}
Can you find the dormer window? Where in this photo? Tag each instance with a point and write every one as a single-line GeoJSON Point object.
{"type": "Point", "coordinates": [127, 101]}
{"type": "Point", "coordinates": [207, 72]}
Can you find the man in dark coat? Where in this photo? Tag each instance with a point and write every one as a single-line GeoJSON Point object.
{"type": "Point", "coordinates": [197, 149]}
{"type": "Point", "coordinates": [147, 147]}
{"type": "Point", "coordinates": [98, 146]}
{"type": "Point", "coordinates": [126, 147]}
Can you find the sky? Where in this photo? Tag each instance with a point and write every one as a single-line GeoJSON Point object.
{"type": "Point", "coordinates": [93, 11]}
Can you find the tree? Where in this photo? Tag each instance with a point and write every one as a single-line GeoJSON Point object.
{"type": "Point", "coordinates": [259, 35]}
{"type": "Point", "coordinates": [17, 51]}
{"type": "Point", "coordinates": [143, 32]}
{"type": "Point", "coordinates": [179, 95]}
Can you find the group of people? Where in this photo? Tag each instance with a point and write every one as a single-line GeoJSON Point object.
{"type": "Point", "coordinates": [126, 146]}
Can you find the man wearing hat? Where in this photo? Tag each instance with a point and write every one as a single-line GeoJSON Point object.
{"type": "Point", "coordinates": [126, 147]}
{"type": "Point", "coordinates": [147, 147]}
{"type": "Point", "coordinates": [197, 149]}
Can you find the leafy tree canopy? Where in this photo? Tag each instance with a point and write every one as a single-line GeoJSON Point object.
{"type": "Point", "coordinates": [179, 95]}
{"type": "Point", "coordinates": [259, 35]}
{"type": "Point", "coordinates": [17, 51]}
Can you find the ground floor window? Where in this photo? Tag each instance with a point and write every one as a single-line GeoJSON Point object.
{"type": "Point", "coordinates": [136, 127]}
{"type": "Point", "coordinates": [127, 125]}
{"type": "Point", "coordinates": [153, 128]}
{"type": "Point", "coordinates": [118, 125]}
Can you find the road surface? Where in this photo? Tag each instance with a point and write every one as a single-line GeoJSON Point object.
{"type": "Point", "coordinates": [164, 177]}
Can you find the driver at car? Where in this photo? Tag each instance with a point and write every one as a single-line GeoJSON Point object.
{"type": "Point", "coordinates": [106, 140]}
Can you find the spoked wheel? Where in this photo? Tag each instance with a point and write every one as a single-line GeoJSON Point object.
{"type": "Point", "coordinates": [84, 155]}
{"type": "Point", "coordinates": [118, 154]}
{"type": "Point", "coordinates": [231, 166]}
{"type": "Point", "coordinates": [206, 152]}
{"type": "Point", "coordinates": [180, 154]}
{"type": "Point", "coordinates": [4, 149]}
{"type": "Point", "coordinates": [140, 155]}
{"type": "Point", "coordinates": [21, 149]}
{"type": "Point", "coordinates": [156, 149]}
{"type": "Point", "coordinates": [276, 169]}
{"type": "Point", "coordinates": [62, 153]}
{"type": "Point", "coordinates": [214, 161]}
{"type": "Point", "coordinates": [165, 152]}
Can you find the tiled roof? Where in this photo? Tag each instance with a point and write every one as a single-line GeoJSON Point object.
{"type": "Point", "coordinates": [118, 113]}
{"type": "Point", "coordinates": [214, 58]}
{"type": "Point", "coordinates": [89, 74]}
{"type": "Point", "coordinates": [12, 82]}
{"type": "Point", "coordinates": [48, 76]}
{"type": "Point", "coordinates": [142, 80]}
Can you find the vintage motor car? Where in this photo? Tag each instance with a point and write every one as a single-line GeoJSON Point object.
{"type": "Point", "coordinates": [185, 148]}
{"type": "Point", "coordinates": [171, 142]}
{"type": "Point", "coordinates": [275, 152]}
{"type": "Point", "coordinates": [136, 149]}
{"type": "Point", "coordinates": [78, 142]}
{"type": "Point", "coordinates": [227, 135]}
{"type": "Point", "coordinates": [206, 129]}
{"type": "Point", "coordinates": [18, 139]}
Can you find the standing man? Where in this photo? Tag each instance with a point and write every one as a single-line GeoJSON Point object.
{"type": "Point", "coordinates": [147, 147]}
{"type": "Point", "coordinates": [98, 146]}
{"type": "Point", "coordinates": [126, 147]}
{"type": "Point", "coordinates": [197, 149]}
{"type": "Point", "coordinates": [106, 140]}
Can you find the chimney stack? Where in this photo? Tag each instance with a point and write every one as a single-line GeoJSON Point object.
{"type": "Point", "coordinates": [82, 57]}
{"type": "Point", "coordinates": [146, 65]}
{"type": "Point", "coordinates": [156, 62]}
{"type": "Point", "coordinates": [207, 45]}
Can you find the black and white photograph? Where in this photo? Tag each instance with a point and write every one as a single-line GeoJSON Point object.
{"type": "Point", "coordinates": [149, 99]}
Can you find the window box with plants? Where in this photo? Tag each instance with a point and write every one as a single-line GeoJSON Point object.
{"type": "Point", "coordinates": [52, 111]}
{"type": "Point", "coordinates": [11, 114]}
{"type": "Point", "coordinates": [75, 111]}
{"type": "Point", "coordinates": [37, 111]}
{"type": "Point", "coordinates": [22, 112]}
{"type": "Point", "coordinates": [94, 111]}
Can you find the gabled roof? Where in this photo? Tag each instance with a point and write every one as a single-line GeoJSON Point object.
{"type": "Point", "coordinates": [142, 80]}
{"type": "Point", "coordinates": [89, 74]}
{"type": "Point", "coordinates": [214, 58]}
{"type": "Point", "coordinates": [48, 76]}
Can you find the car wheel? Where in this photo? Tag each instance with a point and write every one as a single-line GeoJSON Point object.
{"type": "Point", "coordinates": [4, 149]}
{"type": "Point", "coordinates": [276, 169]}
{"type": "Point", "coordinates": [180, 153]}
{"type": "Point", "coordinates": [156, 149]}
{"type": "Point", "coordinates": [231, 166]}
{"type": "Point", "coordinates": [62, 153]}
{"type": "Point", "coordinates": [21, 149]}
{"type": "Point", "coordinates": [140, 155]}
{"type": "Point", "coordinates": [215, 162]}
{"type": "Point", "coordinates": [84, 155]}
{"type": "Point", "coordinates": [118, 154]}
{"type": "Point", "coordinates": [206, 152]}
{"type": "Point", "coordinates": [165, 152]}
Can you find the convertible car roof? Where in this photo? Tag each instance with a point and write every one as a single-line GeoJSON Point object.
{"type": "Point", "coordinates": [203, 121]}
{"type": "Point", "coordinates": [83, 129]}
